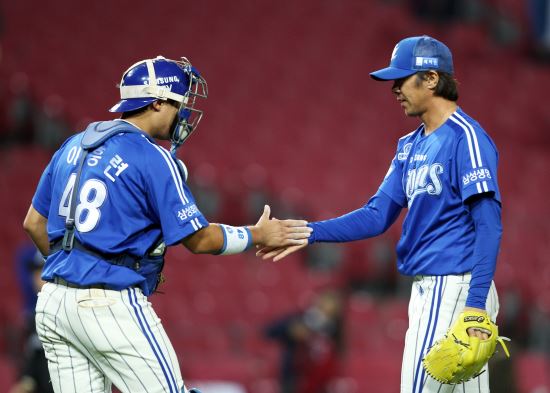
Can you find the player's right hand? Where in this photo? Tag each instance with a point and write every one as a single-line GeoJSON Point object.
{"type": "Point", "coordinates": [271, 232]}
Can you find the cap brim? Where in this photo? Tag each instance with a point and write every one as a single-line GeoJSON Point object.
{"type": "Point", "coordinates": [131, 104]}
{"type": "Point", "coordinates": [390, 74]}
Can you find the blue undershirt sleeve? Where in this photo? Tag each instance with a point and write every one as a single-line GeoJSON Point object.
{"type": "Point", "coordinates": [485, 212]}
{"type": "Point", "coordinates": [368, 221]}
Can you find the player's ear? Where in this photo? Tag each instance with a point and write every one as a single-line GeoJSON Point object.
{"type": "Point", "coordinates": [432, 79]}
{"type": "Point", "coordinates": [155, 105]}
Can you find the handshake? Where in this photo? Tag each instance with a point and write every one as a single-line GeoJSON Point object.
{"type": "Point", "coordinates": [275, 239]}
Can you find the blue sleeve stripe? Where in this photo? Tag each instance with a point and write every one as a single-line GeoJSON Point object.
{"type": "Point", "coordinates": [249, 234]}
{"type": "Point", "coordinates": [224, 246]}
{"type": "Point", "coordinates": [178, 182]}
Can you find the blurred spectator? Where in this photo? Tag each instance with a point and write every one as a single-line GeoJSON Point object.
{"type": "Point", "coordinates": [503, 25]}
{"type": "Point", "coordinates": [324, 257]}
{"type": "Point", "coordinates": [34, 376]}
{"type": "Point", "coordinates": [51, 128]}
{"type": "Point", "coordinates": [204, 185]}
{"type": "Point", "coordinates": [514, 316]}
{"type": "Point", "coordinates": [539, 334]}
{"type": "Point", "coordinates": [29, 264]}
{"type": "Point", "coordinates": [440, 11]}
{"type": "Point", "coordinates": [500, 24]}
{"type": "Point", "coordinates": [1, 22]}
{"type": "Point", "coordinates": [312, 341]}
{"type": "Point", "coordinates": [256, 191]}
{"type": "Point", "coordinates": [21, 110]}
{"type": "Point", "coordinates": [372, 269]}
{"type": "Point", "coordinates": [540, 22]}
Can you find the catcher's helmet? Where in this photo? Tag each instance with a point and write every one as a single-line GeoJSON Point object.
{"type": "Point", "coordinates": [161, 79]}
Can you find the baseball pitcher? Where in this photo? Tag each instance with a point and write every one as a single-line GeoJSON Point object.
{"type": "Point", "coordinates": [445, 174]}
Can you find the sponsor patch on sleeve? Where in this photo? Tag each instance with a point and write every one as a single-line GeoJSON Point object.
{"type": "Point", "coordinates": [187, 212]}
{"type": "Point", "coordinates": [476, 175]}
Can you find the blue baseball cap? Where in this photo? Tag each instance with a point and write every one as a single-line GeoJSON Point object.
{"type": "Point", "coordinates": [415, 54]}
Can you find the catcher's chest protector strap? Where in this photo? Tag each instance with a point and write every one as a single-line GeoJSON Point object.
{"type": "Point", "coordinates": [95, 135]}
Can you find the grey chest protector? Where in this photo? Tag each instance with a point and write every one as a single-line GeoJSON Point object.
{"type": "Point", "coordinates": [95, 135]}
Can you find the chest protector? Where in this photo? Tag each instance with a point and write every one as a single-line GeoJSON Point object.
{"type": "Point", "coordinates": [150, 265]}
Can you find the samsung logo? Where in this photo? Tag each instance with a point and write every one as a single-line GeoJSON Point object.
{"type": "Point", "coordinates": [166, 79]}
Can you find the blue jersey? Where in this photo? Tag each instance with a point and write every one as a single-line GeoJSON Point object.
{"type": "Point", "coordinates": [131, 194]}
{"type": "Point", "coordinates": [433, 176]}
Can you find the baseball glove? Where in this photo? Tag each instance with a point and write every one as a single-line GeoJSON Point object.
{"type": "Point", "coordinates": [457, 357]}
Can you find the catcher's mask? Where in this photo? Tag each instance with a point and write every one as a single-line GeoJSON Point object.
{"type": "Point", "coordinates": [163, 79]}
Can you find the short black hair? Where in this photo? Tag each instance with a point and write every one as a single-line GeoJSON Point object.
{"type": "Point", "coordinates": [447, 86]}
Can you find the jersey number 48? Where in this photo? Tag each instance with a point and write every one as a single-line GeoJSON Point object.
{"type": "Point", "coordinates": [91, 196]}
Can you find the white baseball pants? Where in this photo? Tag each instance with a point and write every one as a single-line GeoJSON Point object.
{"type": "Point", "coordinates": [435, 303]}
{"type": "Point", "coordinates": [94, 338]}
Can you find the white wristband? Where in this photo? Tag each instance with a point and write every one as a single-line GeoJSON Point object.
{"type": "Point", "coordinates": [235, 239]}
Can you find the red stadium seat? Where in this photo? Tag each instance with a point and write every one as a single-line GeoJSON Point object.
{"type": "Point", "coordinates": [532, 371]}
{"type": "Point", "coordinates": [290, 93]}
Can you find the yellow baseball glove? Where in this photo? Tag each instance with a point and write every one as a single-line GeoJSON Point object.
{"type": "Point", "coordinates": [458, 357]}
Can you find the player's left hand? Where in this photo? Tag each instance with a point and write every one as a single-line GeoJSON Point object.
{"type": "Point", "coordinates": [461, 354]}
{"type": "Point", "coordinates": [278, 253]}
{"type": "Point", "coordinates": [271, 232]}
{"type": "Point", "coordinates": [482, 334]}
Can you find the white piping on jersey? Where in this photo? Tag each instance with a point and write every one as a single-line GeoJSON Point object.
{"type": "Point", "coordinates": [468, 137]}
{"type": "Point", "coordinates": [474, 137]}
{"type": "Point", "coordinates": [473, 146]}
{"type": "Point", "coordinates": [197, 222]}
{"type": "Point", "coordinates": [174, 169]}
{"type": "Point", "coordinates": [175, 173]}
{"type": "Point", "coordinates": [409, 134]}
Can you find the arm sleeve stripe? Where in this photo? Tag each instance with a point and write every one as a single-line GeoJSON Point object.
{"type": "Point", "coordinates": [474, 137]}
{"type": "Point", "coordinates": [196, 220]}
{"type": "Point", "coordinates": [471, 150]}
{"type": "Point", "coordinates": [473, 147]}
{"type": "Point", "coordinates": [175, 173]}
{"type": "Point", "coordinates": [224, 246]}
